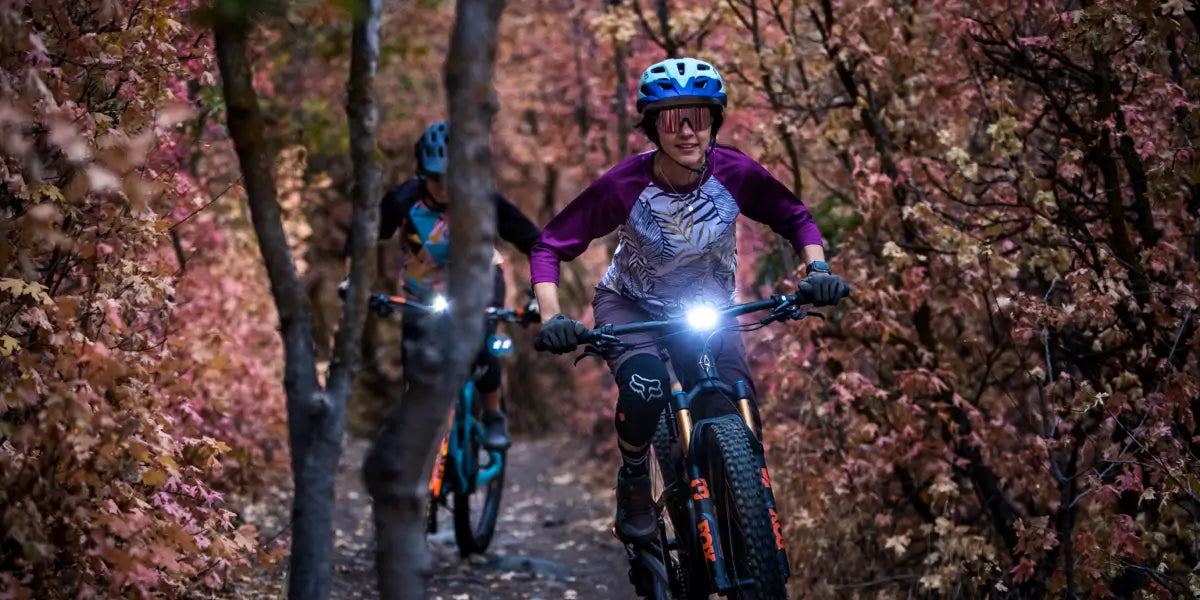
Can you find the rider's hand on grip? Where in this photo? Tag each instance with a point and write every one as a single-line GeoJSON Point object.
{"type": "Point", "coordinates": [379, 303]}
{"type": "Point", "coordinates": [560, 335]}
{"type": "Point", "coordinates": [823, 289]}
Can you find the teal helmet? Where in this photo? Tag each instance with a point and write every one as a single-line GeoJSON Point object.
{"type": "Point", "coordinates": [680, 81]}
{"type": "Point", "coordinates": [431, 150]}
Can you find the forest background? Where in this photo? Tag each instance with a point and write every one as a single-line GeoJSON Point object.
{"type": "Point", "coordinates": [1007, 406]}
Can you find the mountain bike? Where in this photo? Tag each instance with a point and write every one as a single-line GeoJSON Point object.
{"type": "Point", "coordinates": [464, 470]}
{"type": "Point", "coordinates": [719, 530]}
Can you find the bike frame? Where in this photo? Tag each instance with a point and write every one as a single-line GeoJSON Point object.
{"type": "Point", "coordinates": [455, 450]}
{"type": "Point", "coordinates": [703, 540]}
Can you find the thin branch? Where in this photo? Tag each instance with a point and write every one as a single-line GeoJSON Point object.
{"type": "Point", "coordinates": [206, 205]}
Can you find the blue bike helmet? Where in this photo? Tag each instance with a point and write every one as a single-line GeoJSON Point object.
{"type": "Point", "coordinates": [431, 150]}
{"type": "Point", "coordinates": [680, 81]}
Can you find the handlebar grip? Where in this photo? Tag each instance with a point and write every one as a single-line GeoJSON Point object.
{"type": "Point", "coordinates": [585, 338]}
{"type": "Point", "coordinates": [804, 292]}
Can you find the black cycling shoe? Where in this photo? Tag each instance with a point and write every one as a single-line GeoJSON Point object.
{"type": "Point", "coordinates": [495, 428]}
{"type": "Point", "coordinates": [635, 520]}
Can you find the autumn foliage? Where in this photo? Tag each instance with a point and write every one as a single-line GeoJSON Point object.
{"type": "Point", "coordinates": [1007, 406]}
{"type": "Point", "coordinates": [139, 363]}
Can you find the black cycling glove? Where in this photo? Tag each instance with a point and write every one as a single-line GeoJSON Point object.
{"type": "Point", "coordinates": [824, 289]}
{"type": "Point", "coordinates": [560, 334]}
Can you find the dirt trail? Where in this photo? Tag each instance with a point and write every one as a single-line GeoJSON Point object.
{"type": "Point", "coordinates": [552, 541]}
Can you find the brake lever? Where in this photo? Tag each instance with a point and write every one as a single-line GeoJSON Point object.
{"type": "Point", "coordinates": [790, 312]}
{"type": "Point", "coordinates": [589, 350]}
{"type": "Point", "coordinates": [606, 344]}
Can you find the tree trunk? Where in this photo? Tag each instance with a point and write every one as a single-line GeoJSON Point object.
{"type": "Point", "coordinates": [670, 46]}
{"type": "Point", "coordinates": [316, 418]}
{"type": "Point", "coordinates": [396, 468]}
{"type": "Point", "coordinates": [621, 103]}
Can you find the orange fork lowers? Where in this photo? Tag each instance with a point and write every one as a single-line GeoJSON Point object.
{"type": "Point", "coordinates": [683, 421]}
{"type": "Point", "coordinates": [439, 464]}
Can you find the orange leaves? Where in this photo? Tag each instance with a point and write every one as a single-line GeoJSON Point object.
{"type": "Point", "coordinates": [154, 477]}
{"type": "Point", "coordinates": [17, 289]}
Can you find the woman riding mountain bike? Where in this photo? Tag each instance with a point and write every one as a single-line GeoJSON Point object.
{"type": "Point", "coordinates": [417, 208]}
{"type": "Point", "coordinates": [675, 210]}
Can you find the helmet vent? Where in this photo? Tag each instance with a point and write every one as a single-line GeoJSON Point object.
{"type": "Point", "coordinates": [659, 69]}
{"type": "Point", "coordinates": [680, 66]}
{"type": "Point", "coordinates": [701, 67]}
{"type": "Point", "coordinates": [646, 90]}
{"type": "Point", "coordinates": [700, 83]}
{"type": "Point", "coordinates": [666, 86]}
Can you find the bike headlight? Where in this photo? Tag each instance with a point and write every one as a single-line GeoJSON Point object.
{"type": "Point", "coordinates": [439, 303]}
{"type": "Point", "coordinates": [500, 345]}
{"type": "Point", "coordinates": [703, 318]}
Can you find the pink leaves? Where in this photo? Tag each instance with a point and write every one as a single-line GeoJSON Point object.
{"type": "Point", "coordinates": [1023, 570]}
{"type": "Point", "coordinates": [922, 382]}
{"type": "Point", "coordinates": [1126, 541]}
{"type": "Point", "coordinates": [115, 465]}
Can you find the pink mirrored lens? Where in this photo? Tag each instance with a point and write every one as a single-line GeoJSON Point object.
{"type": "Point", "coordinates": [671, 120]}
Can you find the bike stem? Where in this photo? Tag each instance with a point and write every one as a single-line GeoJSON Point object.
{"type": "Point", "coordinates": [681, 403]}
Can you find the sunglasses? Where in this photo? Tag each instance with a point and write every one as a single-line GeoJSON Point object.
{"type": "Point", "coordinates": [671, 120]}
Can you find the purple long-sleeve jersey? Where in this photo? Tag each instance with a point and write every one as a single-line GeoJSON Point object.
{"type": "Point", "coordinates": [677, 247]}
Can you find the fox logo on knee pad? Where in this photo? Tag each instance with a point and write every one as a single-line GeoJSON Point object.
{"type": "Point", "coordinates": [648, 389]}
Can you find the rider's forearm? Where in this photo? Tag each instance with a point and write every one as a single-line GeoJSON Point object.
{"type": "Point", "coordinates": [547, 297]}
{"type": "Point", "coordinates": [813, 252]}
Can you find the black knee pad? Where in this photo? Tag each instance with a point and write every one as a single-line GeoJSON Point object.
{"type": "Point", "coordinates": [643, 385]}
{"type": "Point", "coordinates": [487, 366]}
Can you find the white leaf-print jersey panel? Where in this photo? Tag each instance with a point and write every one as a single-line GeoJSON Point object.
{"type": "Point", "coordinates": [676, 250]}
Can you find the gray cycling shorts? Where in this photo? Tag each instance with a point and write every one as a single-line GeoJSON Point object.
{"type": "Point", "coordinates": [726, 347]}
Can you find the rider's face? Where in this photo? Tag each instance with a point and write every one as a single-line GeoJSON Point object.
{"type": "Point", "coordinates": [683, 142]}
{"type": "Point", "coordinates": [436, 188]}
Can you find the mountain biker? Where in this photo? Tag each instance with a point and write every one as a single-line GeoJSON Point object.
{"type": "Point", "coordinates": [674, 209]}
{"type": "Point", "coordinates": [417, 208]}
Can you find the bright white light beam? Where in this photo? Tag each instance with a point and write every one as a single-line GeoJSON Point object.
{"type": "Point", "coordinates": [439, 304]}
{"type": "Point", "coordinates": [703, 318]}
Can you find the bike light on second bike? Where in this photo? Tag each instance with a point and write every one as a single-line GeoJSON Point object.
{"type": "Point", "coordinates": [439, 303]}
{"type": "Point", "coordinates": [500, 345]}
{"type": "Point", "coordinates": [703, 318]}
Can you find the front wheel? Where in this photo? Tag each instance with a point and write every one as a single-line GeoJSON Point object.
{"type": "Point", "coordinates": [689, 576]}
{"type": "Point", "coordinates": [747, 532]}
{"type": "Point", "coordinates": [477, 509]}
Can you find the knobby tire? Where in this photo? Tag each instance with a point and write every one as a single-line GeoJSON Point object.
{"type": "Point", "coordinates": [747, 533]}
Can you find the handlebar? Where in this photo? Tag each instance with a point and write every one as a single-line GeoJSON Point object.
{"type": "Point", "coordinates": [385, 305]}
{"type": "Point", "coordinates": [783, 307]}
